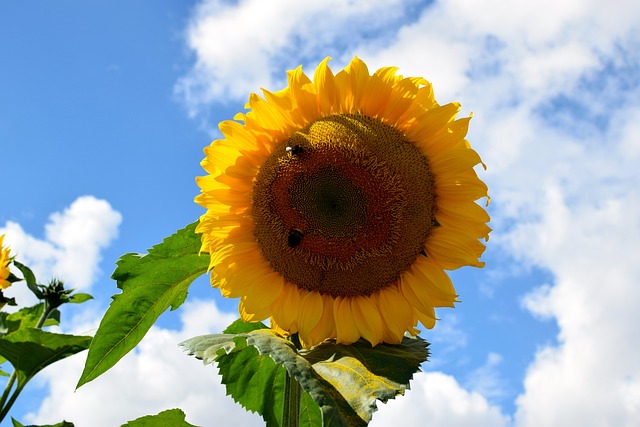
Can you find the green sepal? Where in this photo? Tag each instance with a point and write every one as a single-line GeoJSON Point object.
{"type": "Point", "coordinates": [150, 284]}
{"type": "Point", "coordinates": [13, 278]}
{"type": "Point", "coordinates": [168, 418]}
{"type": "Point", "coordinates": [30, 278]}
{"type": "Point", "coordinates": [79, 298]}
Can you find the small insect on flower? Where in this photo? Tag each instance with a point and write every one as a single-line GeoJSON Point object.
{"type": "Point", "coordinates": [295, 150]}
{"type": "Point", "coordinates": [295, 237]}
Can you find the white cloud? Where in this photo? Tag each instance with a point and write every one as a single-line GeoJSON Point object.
{"type": "Point", "coordinates": [553, 87]}
{"type": "Point", "coordinates": [240, 46]}
{"type": "Point", "coordinates": [154, 377]}
{"type": "Point", "coordinates": [436, 399]}
{"type": "Point", "coordinates": [589, 377]}
{"type": "Point", "coordinates": [71, 247]}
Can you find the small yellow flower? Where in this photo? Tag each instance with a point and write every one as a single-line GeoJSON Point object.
{"type": "Point", "coordinates": [4, 265]}
{"type": "Point", "coordinates": [334, 206]}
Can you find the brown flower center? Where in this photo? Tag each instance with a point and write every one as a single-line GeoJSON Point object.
{"type": "Point", "coordinates": [343, 206]}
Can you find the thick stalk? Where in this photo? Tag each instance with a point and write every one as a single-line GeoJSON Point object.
{"type": "Point", "coordinates": [292, 391]}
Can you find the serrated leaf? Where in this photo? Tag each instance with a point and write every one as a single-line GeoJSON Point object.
{"type": "Point", "coordinates": [31, 350]}
{"type": "Point", "coordinates": [344, 381]}
{"type": "Point", "coordinates": [263, 354]}
{"type": "Point", "coordinates": [150, 285]}
{"type": "Point", "coordinates": [168, 418]}
{"type": "Point", "coordinates": [363, 374]}
{"type": "Point", "coordinates": [60, 424]}
{"type": "Point", "coordinates": [258, 386]}
{"type": "Point", "coordinates": [253, 380]}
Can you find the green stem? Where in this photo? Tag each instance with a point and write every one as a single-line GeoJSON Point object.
{"type": "Point", "coordinates": [291, 415]}
{"type": "Point", "coordinates": [12, 399]}
{"type": "Point", "coordinates": [46, 311]}
{"type": "Point", "coordinates": [292, 391]}
{"type": "Point", "coordinates": [7, 390]}
{"type": "Point", "coordinates": [7, 404]}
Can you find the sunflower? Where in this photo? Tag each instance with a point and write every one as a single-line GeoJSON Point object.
{"type": "Point", "coordinates": [4, 265]}
{"type": "Point", "coordinates": [335, 205]}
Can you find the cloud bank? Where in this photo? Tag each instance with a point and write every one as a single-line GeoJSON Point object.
{"type": "Point", "coordinates": [70, 249]}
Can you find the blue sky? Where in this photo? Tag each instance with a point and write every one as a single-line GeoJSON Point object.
{"type": "Point", "coordinates": [105, 108]}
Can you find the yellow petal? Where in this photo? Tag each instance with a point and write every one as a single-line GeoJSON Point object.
{"type": "Point", "coordinates": [326, 327]}
{"type": "Point", "coordinates": [286, 310]}
{"type": "Point", "coordinates": [367, 319]}
{"type": "Point", "coordinates": [437, 282]}
{"type": "Point", "coordinates": [416, 294]}
{"type": "Point", "coordinates": [311, 309]}
{"type": "Point", "coordinates": [453, 251]}
{"type": "Point", "coordinates": [395, 311]}
{"type": "Point", "coordinates": [325, 88]}
{"type": "Point", "coordinates": [346, 330]}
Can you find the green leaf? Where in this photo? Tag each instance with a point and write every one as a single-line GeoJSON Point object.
{"type": "Point", "coordinates": [239, 327]}
{"type": "Point", "coordinates": [79, 298]}
{"type": "Point", "coordinates": [363, 374]}
{"type": "Point", "coordinates": [30, 278]}
{"type": "Point", "coordinates": [310, 415]}
{"type": "Point", "coordinates": [258, 386]}
{"type": "Point", "coordinates": [150, 284]}
{"type": "Point", "coordinates": [26, 317]}
{"type": "Point", "coordinates": [252, 378]}
{"type": "Point", "coordinates": [343, 381]}
{"type": "Point", "coordinates": [30, 350]}
{"type": "Point", "coordinates": [168, 418]}
{"type": "Point", "coordinates": [60, 424]}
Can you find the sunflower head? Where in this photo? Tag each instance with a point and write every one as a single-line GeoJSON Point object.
{"type": "Point", "coordinates": [335, 205]}
{"type": "Point", "coordinates": [5, 259]}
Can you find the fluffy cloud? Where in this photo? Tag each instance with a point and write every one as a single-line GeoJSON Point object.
{"type": "Point", "coordinates": [437, 400]}
{"type": "Point", "coordinates": [72, 243]}
{"type": "Point", "coordinates": [239, 46]}
{"type": "Point", "coordinates": [591, 378]}
{"type": "Point", "coordinates": [154, 377]}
